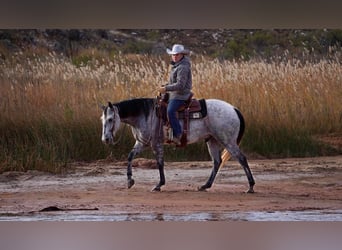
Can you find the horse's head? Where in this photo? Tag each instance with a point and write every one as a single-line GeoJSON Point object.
{"type": "Point", "coordinates": [110, 123]}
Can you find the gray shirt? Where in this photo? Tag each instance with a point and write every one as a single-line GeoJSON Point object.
{"type": "Point", "coordinates": [180, 81]}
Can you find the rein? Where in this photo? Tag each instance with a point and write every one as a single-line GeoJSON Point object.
{"type": "Point", "coordinates": [112, 131]}
{"type": "Point", "coordinates": [119, 139]}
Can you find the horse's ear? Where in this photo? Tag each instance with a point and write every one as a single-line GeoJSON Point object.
{"type": "Point", "coordinates": [110, 105]}
{"type": "Point", "coordinates": [103, 107]}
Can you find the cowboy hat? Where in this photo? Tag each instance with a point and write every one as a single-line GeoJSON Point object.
{"type": "Point", "coordinates": [177, 49]}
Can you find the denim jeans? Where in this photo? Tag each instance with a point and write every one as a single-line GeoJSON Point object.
{"type": "Point", "coordinates": [172, 108]}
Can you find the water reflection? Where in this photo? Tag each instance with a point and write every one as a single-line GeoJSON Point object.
{"type": "Point", "coordinates": [311, 215]}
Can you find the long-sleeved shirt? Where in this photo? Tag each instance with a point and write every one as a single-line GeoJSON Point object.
{"type": "Point", "coordinates": [180, 81]}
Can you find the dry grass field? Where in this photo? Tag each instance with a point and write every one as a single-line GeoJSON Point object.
{"type": "Point", "coordinates": [50, 103]}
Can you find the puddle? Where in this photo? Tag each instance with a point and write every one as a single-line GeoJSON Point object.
{"type": "Point", "coordinates": [311, 215]}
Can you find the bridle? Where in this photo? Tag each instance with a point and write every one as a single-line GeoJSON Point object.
{"type": "Point", "coordinates": [119, 139]}
{"type": "Point", "coordinates": [112, 128]}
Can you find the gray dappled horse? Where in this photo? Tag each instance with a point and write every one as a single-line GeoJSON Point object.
{"type": "Point", "coordinates": [222, 128]}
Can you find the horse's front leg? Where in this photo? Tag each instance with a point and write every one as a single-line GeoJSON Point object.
{"type": "Point", "coordinates": [159, 153]}
{"type": "Point", "coordinates": [138, 147]}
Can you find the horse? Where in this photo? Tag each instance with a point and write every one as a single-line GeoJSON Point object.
{"type": "Point", "coordinates": [222, 129]}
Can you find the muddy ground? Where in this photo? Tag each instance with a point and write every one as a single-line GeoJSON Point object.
{"type": "Point", "coordinates": [97, 191]}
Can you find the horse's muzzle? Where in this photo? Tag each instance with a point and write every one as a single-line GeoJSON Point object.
{"type": "Point", "coordinates": [107, 140]}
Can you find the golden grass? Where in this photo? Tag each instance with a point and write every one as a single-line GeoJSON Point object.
{"type": "Point", "coordinates": [289, 94]}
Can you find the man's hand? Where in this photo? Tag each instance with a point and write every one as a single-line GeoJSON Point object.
{"type": "Point", "coordinates": [162, 90]}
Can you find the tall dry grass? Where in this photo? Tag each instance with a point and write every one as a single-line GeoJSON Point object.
{"type": "Point", "coordinates": [291, 94]}
{"type": "Point", "coordinates": [50, 104]}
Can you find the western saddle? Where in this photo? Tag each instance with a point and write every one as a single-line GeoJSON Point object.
{"type": "Point", "coordinates": [192, 109]}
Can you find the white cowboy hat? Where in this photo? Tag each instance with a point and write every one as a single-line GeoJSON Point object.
{"type": "Point", "coordinates": [177, 49]}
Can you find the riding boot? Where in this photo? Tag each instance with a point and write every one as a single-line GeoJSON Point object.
{"type": "Point", "coordinates": [177, 140]}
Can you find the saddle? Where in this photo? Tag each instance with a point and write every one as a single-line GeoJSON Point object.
{"type": "Point", "coordinates": [192, 109]}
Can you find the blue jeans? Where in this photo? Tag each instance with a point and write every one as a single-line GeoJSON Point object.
{"type": "Point", "coordinates": [172, 108]}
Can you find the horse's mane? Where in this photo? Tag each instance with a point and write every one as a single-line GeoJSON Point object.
{"type": "Point", "coordinates": [135, 107]}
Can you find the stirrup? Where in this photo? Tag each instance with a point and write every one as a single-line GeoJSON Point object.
{"type": "Point", "coordinates": [177, 140]}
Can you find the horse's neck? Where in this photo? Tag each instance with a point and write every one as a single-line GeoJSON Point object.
{"type": "Point", "coordinates": [130, 121]}
{"type": "Point", "coordinates": [136, 121]}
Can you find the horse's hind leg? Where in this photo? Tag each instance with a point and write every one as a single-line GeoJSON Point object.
{"type": "Point", "coordinates": [215, 153]}
{"type": "Point", "coordinates": [236, 152]}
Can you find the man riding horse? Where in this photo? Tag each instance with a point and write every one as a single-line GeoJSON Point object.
{"type": "Point", "coordinates": [179, 87]}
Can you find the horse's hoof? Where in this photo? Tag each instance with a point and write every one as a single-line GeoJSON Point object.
{"type": "Point", "coordinates": [156, 189]}
{"type": "Point", "coordinates": [130, 183]}
{"type": "Point", "coordinates": [202, 189]}
{"type": "Point", "coordinates": [250, 191]}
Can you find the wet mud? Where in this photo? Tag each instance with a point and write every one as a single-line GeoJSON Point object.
{"type": "Point", "coordinates": [295, 189]}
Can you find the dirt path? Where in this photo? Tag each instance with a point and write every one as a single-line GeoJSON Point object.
{"type": "Point", "coordinates": [99, 189]}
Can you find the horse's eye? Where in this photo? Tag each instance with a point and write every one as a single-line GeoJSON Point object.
{"type": "Point", "coordinates": [110, 120]}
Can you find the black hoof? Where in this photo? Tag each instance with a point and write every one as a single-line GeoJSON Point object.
{"type": "Point", "coordinates": [156, 189]}
{"type": "Point", "coordinates": [202, 189]}
{"type": "Point", "coordinates": [250, 191]}
{"type": "Point", "coordinates": [130, 183]}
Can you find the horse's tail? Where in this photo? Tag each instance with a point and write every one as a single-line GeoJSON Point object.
{"type": "Point", "coordinates": [225, 156]}
{"type": "Point", "coordinates": [242, 125]}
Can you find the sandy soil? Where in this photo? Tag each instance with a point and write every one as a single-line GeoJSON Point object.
{"type": "Point", "coordinates": [100, 188]}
